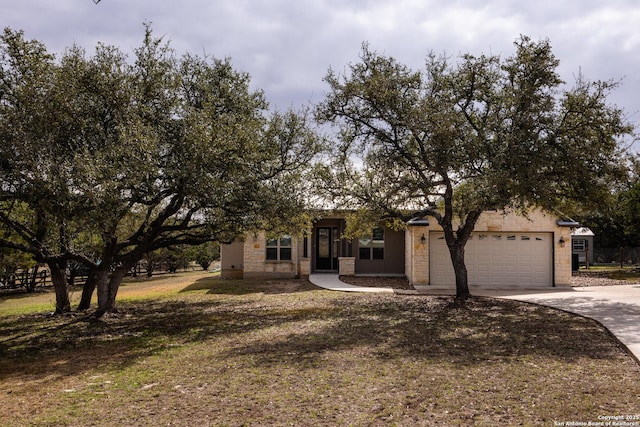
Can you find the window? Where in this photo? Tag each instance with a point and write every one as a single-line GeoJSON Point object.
{"type": "Point", "coordinates": [579, 245]}
{"type": "Point", "coordinates": [372, 248]}
{"type": "Point", "coordinates": [279, 249]}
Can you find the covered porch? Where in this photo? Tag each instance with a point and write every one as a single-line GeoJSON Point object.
{"type": "Point", "coordinates": [382, 253]}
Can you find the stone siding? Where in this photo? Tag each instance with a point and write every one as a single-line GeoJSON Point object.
{"type": "Point", "coordinates": [256, 264]}
{"type": "Point", "coordinates": [347, 266]}
{"type": "Point", "coordinates": [248, 258]}
{"type": "Point", "coordinates": [304, 268]}
{"type": "Point", "coordinates": [417, 255]}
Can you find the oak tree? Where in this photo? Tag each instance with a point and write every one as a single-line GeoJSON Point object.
{"type": "Point", "coordinates": [136, 155]}
{"type": "Point", "coordinates": [456, 139]}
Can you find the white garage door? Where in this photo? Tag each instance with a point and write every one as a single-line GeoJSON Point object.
{"type": "Point", "coordinates": [496, 259]}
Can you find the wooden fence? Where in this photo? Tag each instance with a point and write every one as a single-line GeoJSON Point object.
{"type": "Point", "coordinates": [27, 279]}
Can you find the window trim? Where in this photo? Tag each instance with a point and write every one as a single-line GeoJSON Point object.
{"type": "Point", "coordinates": [579, 245]}
{"type": "Point", "coordinates": [280, 248]}
{"type": "Point", "coordinates": [374, 250]}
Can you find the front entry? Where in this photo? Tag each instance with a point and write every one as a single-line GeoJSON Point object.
{"type": "Point", "coordinates": [327, 244]}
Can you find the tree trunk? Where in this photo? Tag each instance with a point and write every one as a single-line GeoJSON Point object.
{"type": "Point", "coordinates": [460, 271]}
{"type": "Point", "coordinates": [87, 291]}
{"type": "Point", "coordinates": [72, 277]}
{"type": "Point", "coordinates": [59, 280]}
{"type": "Point", "coordinates": [108, 288]}
{"type": "Point", "coordinates": [114, 284]}
{"type": "Point", "coordinates": [101, 277]}
{"type": "Point", "coordinates": [33, 279]}
{"type": "Point", "coordinates": [456, 242]}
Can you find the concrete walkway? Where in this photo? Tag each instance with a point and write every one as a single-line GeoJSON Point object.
{"type": "Point", "coordinates": [332, 282]}
{"type": "Point", "coordinates": [617, 308]}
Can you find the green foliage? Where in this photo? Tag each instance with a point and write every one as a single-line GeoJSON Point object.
{"type": "Point", "coordinates": [13, 261]}
{"type": "Point", "coordinates": [166, 259]}
{"type": "Point", "coordinates": [617, 223]}
{"type": "Point", "coordinates": [361, 222]}
{"type": "Point", "coordinates": [205, 254]}
{"type": "Point", "coordinates": [456, 139]}
{"type": "Point", "coordinates": [629, 211]}
{"type": "Point", "coordinates": [109, 157]}
{"type": "Point", "coordinates": [501, 133]}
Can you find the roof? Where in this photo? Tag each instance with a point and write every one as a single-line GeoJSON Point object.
{"type": "Point", "coordinates": [567, 223]}
{"type": "Point", "coordinates": [582, 231]}
{"type": "Point", "coordinates": [418, 221]}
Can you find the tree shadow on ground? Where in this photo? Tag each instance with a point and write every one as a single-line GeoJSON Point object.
{"type": "Point", "coordinates": [221, 286]}
{"type": "Point", "coordinates": [625, 322]}
{"type": "Point", "coordinates": [301, 331]}
{"type": "Point", "coordinates": [45, 345]}
{"type": "Point", "coordinates": [482, 330]}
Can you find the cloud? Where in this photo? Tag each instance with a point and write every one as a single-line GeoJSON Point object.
{"type": "Point", "coordinates": [288, 46]}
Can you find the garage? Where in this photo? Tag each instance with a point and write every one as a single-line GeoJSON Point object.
{"type": "Point", "coordinates": [496, 259]}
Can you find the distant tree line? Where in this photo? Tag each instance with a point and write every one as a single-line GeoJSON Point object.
{"type": "Point", "coordinates": [617, 224]}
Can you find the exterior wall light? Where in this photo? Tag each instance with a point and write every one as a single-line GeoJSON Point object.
{"type": "Point", "coordinates": [561, 241]}
{"type": "Point", "coordinates": [423, 239]}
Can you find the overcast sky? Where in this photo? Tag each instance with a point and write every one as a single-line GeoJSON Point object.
{"type": "Point", "coordinates": [287, 45]}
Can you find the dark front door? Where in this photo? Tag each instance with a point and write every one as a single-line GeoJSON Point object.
{"type": "Point", "coordinates": [327, 243]}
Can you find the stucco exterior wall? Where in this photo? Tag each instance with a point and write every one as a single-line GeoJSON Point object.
{"type": "Point", "coordinates": [393, 262]}
{"type": "Point", "coordinates": [232, 260]}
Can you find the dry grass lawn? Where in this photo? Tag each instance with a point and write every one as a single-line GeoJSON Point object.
{"type": "Point", "coordinates": [194, 350]}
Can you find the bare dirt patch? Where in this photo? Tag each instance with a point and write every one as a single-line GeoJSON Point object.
{"type": "Point", "coordinates": [378, 281]}
{"type": "Point", "coordinates": [582, 278]}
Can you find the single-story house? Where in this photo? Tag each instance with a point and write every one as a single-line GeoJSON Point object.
{"type": "Point", "coordinates": [582, 244]}
{"type": "Point", "coordinates": [505, 250]}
